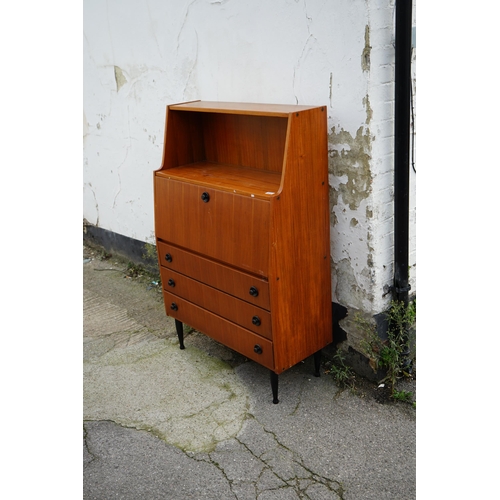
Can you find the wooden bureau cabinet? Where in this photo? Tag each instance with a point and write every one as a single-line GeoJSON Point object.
{"type": "Point", "coordinates": [242, 228]}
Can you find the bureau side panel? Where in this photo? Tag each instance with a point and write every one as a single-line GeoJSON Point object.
{"type": "Point", "coordinates": [184, 143]}
{"type": "Point", "coordinates": [299, 277]}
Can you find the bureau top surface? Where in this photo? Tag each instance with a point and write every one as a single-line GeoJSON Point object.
{"type": "Point", "coordinates": [239, 180]}
{"type": "Point", "coordinates": [241, 108]}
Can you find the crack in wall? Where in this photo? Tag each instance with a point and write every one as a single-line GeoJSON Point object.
{"type": "Point", "coordinates": [309, 19]}
{"type": "Point", "coordinates": [365, 55]}
{"type": "Point", "coordinates": [119, 176]}
{"type": "Point", "coordinates": [195, 62]}
{"type": "Point", "coordinates": [303, 54]}
{"type": "Point", "coordinates": [331, 87]}
{"type": "Point", "coordinates": [127, 149]}
{"type": "Point", "coordinates": [152, 29]}
{"type": "Point", "coordinates": [300, 60]}
{"type": "Point", "coordinates": [95, 201]}
{"type": "Point", "coordinates": [184, 23]}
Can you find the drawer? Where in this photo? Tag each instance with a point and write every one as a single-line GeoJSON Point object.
{"type": "Point", "coordinates": [228, 227]}
{"type": "Point", "coordinates": [235, 337]}
{"type": "Point", "coordinates": [244, 314]}
{"type": "Point", "coordinates": [242, 285]}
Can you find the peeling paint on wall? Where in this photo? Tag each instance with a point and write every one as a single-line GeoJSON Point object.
{"type": "Point", "coordinates": [350, 156]}
{"type": "Point", "coordinates": [349, 290]}
{"type": "Point", "coordinates": [365, 55]}
{"type": "Point", "coordinates": [351, 183]}
{"type": "Point", "coordinates": [119, 78]}
{"type": "Point", "coordinates": [369, 111]}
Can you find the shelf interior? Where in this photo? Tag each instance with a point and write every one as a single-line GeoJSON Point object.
{"type": "Point", "coordinates": [244, 140]}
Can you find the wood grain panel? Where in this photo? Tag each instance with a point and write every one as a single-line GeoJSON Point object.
{"type": "Point", "coordinates": [234, 179]}
{"type": "Point", "coordinates": [249, 141]}
{"type": "Point", "coordinates": [218, 302]}
{"type": "Point", "coordinates": [233, 336]}
{"type": "Point", "coordinates": [299, 277]}
{"type": "Point", "coordinates": [184, 142]}
{"type": "Point", "coordinates": [231, 228]}
{"type": "Point", "coordinates": [240, 108]}
{"type": "Point", "coordinates": [214, 274]}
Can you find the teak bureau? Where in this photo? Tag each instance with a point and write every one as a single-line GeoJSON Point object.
{"type": "Point", "coordinates": [242, 228]}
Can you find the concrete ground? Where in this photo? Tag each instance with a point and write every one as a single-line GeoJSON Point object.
{"type": "Point", "coordinates": [164, 423]}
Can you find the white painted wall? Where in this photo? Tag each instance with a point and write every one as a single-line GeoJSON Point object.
{"type": "Point", "coordinates": [141, 56]}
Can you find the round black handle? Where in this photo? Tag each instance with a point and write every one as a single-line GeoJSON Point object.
{"type": "Point", "coordinates": [257, 349]}
{"type": "Point", "coordinates": [174, 306]}
{"type": "Point", "coordinates": [254, 292]}
{"type": "Point", "coordinates": [168, 257]}
{"type": "Point", "coordinates": [171, 282]}
{"type": "Point", "coordinates": [205, 197]}
{"type": "Point", "coordinates": [256, 321]}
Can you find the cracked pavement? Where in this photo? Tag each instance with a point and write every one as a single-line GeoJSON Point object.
{"type": "Point", "coordinates": [161, 423]}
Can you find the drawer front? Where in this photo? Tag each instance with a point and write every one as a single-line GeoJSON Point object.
{"type": "Point", "coordinates": [235, 337]}
{"type": "Point", "coordinates": [244, 286]}
{"type": "Point", "coordinates": [228, 227]}
{"type": "Point", "coordinates": [244, 314]}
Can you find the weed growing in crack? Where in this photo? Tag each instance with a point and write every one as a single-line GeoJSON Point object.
{"type": "Point", "coordinates": [341, 373]}
{"type": "Point", "coordinates": [405, 396]}
{"type": "Point", "coordinates": [392, 353]}
{"type": "Point", "coordinates": [134, 270]}
{"type": "Point", "coordinates": [101, 254]}
{"type": "Point", "coordinates": [150, 252]}
{"type": "Point", "coordinates": [150, 256]}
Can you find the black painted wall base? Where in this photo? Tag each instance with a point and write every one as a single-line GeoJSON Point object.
{"type": "Point", "coordinates": [134, 250]}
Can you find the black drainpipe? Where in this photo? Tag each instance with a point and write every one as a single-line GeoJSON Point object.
{"type": "Point", "coordinates": [402, 149]}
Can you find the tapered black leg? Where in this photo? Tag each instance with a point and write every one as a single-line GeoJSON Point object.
{"type": "Point", "coordinates": [274, 387]}
{"type": "Point", "coordinates": [317, 363]}
{"type": "Point", "coordinates": [180, 332]}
